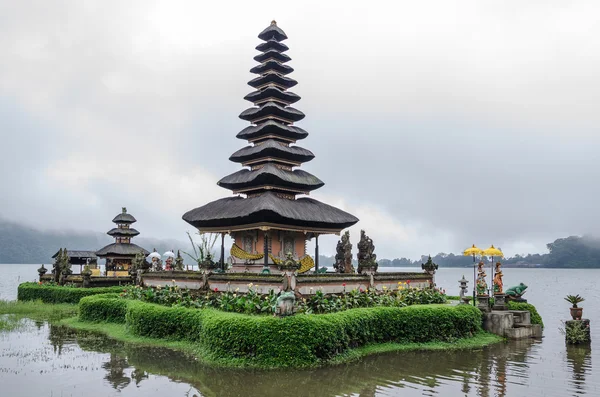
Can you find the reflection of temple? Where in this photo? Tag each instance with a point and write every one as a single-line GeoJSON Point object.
{"type": "Point", "coordinates": [120, 253]}
{"type": "Point", "coordinates": [115, 367]}
{"type": "Point", "coordinates": [270, 219]}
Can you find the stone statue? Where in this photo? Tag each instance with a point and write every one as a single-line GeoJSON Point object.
{"type": "Point", "coordinates": [179, 262]}
{"type": "Point", "coordinates": [86, 274]}
{"type": "Point", "coordinates": [367, 260]}
{"type": "Point", "coordinates": [169, 263]}
{"type": "Point", "coordinates": [498, 285]}
{"type": "Point", "coordinates": [285, 304]}
{"type": "Point", "coordinates": [343, 256]}
{"type": "Point", "coordinates": [482, 287]}
{"type": "Point", "coordinates": [515, 293]}
{"type": "Point", "coordinates": [62, 267]}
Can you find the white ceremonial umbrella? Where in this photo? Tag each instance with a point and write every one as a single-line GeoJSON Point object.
{"type": "Point", "coordinates": [169, 254]}
{"type": "Point", "coordinates": [154, 255]}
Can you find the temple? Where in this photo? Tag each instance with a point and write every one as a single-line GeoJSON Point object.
{"type": "Point", "coordinates": [120, 253]}
{"type": "Point", "coordinates": [265, 218]}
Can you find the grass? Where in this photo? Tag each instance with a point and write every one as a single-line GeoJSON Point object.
{"type": "Point", "coordinates": [120, 333]}
{"type": "Point", "coordinates": [480, 340]}
{"type": "Point", "coordinates": [12, 312]}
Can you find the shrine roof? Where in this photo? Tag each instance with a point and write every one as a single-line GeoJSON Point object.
{"type": "Point", "coordinates": [125, 249]}
{"type": "Point", "coordinates": [272, 148]}
{"type": "Point", "coordinates": [268, 208]}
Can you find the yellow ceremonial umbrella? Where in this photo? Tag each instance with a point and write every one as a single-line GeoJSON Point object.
{"type": "Point", "coordinates": [492, 252]}
{"type": "Point", "coordinates": [473, 251]}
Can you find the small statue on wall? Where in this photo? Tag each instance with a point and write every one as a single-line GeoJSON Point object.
{"type": "Point", "coordinates": [498, 285]}
{"type": "Point", "coordinates": [366, 253]}
{"type": "Point", "coordinates": [343, 256]}
{"type": "Point", "coordinates": [482, 287]}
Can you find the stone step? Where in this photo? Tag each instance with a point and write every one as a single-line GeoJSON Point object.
{"type": "Point", "coordinates": [522, 325]}
{"type": "Point", "coordinates": [521, 317]}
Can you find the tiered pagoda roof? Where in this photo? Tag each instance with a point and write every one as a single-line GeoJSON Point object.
{"type": "Point", "coordinates": [122, 234]}
{"type": "Point", "coordinates": [270, 182]}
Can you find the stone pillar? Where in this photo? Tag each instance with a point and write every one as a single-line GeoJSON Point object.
{"type": "Point", "coordinates": [266, 268]}
{"type": "Point", "coordinates": [483, 302]}
{"type": "Point", "coordinates": [223, 251]}
{"type": "Point", "coordinates": [316, 254]}
{"type": "Point", "coordinates": [500, 302]}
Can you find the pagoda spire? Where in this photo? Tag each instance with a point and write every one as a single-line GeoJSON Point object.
{"type": "Point", "coordinates": [267, 186]}
{"type": "Point", "coordinates": [271, 155]}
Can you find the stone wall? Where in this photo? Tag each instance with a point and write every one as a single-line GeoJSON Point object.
{"type": "Point", "coordinates": [305, 284]}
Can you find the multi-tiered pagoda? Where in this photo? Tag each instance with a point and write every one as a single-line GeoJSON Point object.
{"type": "Point", "coordinates": [120, 253]}
{"type": "Point", "coordinates": [266, 218]}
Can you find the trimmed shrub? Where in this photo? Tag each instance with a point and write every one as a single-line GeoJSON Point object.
{"type": "Point", "coordinates": [300, 340]}
{"type": "Point", "coordinates": [104, 307]}
{"type": "Point", "coordinates": [535, 316]}
{"type": "Point", "coordinates": [56, 294]}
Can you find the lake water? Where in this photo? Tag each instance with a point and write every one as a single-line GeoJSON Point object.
{"type": "Point", "coordinates": [45, 360]}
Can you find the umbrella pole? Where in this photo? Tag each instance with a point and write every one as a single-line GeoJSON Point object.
{"type": "Point", "coordinates": [474, 281]}
{"type": "Point", "coordinates": [492, 278]}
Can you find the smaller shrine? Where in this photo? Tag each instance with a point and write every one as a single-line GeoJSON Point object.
{"type": "Point", "coordinates": [121, 253]}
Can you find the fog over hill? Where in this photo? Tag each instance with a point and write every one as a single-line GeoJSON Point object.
{"type": "Point", "coordinates": [22, 244]}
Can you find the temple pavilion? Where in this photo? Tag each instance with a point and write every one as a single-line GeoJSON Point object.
{"type": "Point", "coordinates": [120, 253]}
{"type": "Point", "coordinates": [265, 217]}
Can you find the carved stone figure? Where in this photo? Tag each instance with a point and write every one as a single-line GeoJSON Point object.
{"type": "Point", "coordinates": [482, 287]}
{"type": "Point", "coordinates": [343, 256]}
{"type": "Point", "coordinates": [62, 267]}
{"type": "Point", "coordinates": [137, 263]}
{"type": "Point", "coordinates": [498, 285]}
{"type": "Point", "coordinates": [87, 276]}
{"type": "Point", "coordinates": [285, 304]}
{"type": "Point", "coordinates": [367, 260]}
{"type": "Point", "coordinates": [516, 292]}
{"type": "Point", "coordinates": [179, 262]}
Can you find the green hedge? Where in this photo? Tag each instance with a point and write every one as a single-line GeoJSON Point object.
{"type": "Point", "coordinates": [301, 340]}
{"type": "Point", "coordinates": [535, 316]}
{"type": "Point", "coordinates": [57, 294]}
{"type": "Point", "coordinates": [105, 307]}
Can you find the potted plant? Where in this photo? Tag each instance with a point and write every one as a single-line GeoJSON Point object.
{"type": "Point", "coordinates": [576, 312]}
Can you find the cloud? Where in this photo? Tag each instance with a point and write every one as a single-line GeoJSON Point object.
{"type": "Point", "coordinates": [473, 123]}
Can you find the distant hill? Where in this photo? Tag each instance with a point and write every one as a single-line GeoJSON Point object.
{"type": "Point", "coordinates": [22, 244]}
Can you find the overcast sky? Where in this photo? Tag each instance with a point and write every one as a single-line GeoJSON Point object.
{"type": "Point", "coordinates": [438, 123]}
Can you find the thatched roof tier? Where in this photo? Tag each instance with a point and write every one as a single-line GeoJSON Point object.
{"type": "Point", "coordinates": [272, 128]}
{"type": "Point", "coordinates": [272, 55]}
{"type": "Point", "coordinates": [272, 66]}
{"type": "Point", "coordinates": [272, 93]}
{"type": "Point", "coordinates": [272, 32]}
{"type": "Point", "coordinates": [272, 110]}
{"type": "Point", "coordinates": [272, 45]}
{"type": "Point", "coordinates": [270, 211]}
{"type": "Point", "coordinates": [272, 149]}
{"type": "Point", "coordinates": [272, 79]}
{"type": "Point", "coordinates": [271, 175]}
{"type": "Point", "coordinates": [121, 249]}
{"type": "Point", "coordinates": [122, 232]}
{"type": "Point", "coordinates": [124, 217]}
{"type": "Point", "coordinates": [78, 254]}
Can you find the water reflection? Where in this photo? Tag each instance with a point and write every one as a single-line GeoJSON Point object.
{"type": "Point", "coordinates": [579, 360]}
{"type": "Point", "coordinates": [482, 372]}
